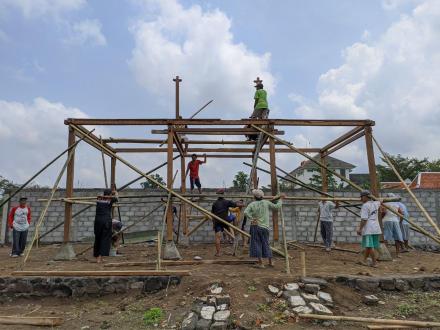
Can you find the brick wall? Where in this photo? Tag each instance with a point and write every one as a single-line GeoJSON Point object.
{"type": "Point", "coordinates": [300, 216]}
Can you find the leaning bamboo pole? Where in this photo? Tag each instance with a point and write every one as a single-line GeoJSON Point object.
{"type": "Point", "coordinates": [167, 206]}
{"type": "Point", "coordinates": [283, 233]}
{"type": "Point", "coordinates": [48, 321]}
{"type": "Point", "coordinates": [354, 185]}
{"type": "Point", "coordinates": [198, 226]}
{"type": "Point", "coordinates": [179, 196]}
{"type": "Point", "coordinates": [416, 200]}
{"type": "Point", "coordinates": [12, 194]}
{"type": "Point", "coordinates": [103, 164]}
{"type": "Point", "coordinates": [46, 207]}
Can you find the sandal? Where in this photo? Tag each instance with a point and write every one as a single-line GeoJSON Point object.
{"type": "Point", "coordinates": [258, 266]}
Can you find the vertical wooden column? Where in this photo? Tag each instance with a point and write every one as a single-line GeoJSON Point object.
{"type": "Point", "coordinates": [69, 187]}
{"type": "Point", "coordinates": [255, 179]}
{"type": "Point", "coordinates": [324, 180]}
{"type": "Point", "coordinates": [371, 162]}
{"type": "Point", "coordinates": [170, 182]}
{"type": "Point", "coordinates": [177, 80]}
{"type": "Point", "coordinates": [274, 186]}
{"type": "Point", "coordinates": [183, 218]}
{"type": "Point", "coordinates": [112, 178]}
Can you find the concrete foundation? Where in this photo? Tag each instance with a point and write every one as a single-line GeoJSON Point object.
{"type": "Point", "coordinates": [171, 252]}
{"type": "Point", "coordinates": [65, 252]}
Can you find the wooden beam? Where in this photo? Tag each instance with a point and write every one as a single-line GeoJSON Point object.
{"type": "Point", "coordinates": [213, 131]}
{"type": "Point", "coordinates": [47, 321]}
{"type": "Point", "coordinates": [346, 142]}
{"type": "Point", "coordinates": [69, 186]}
{"type": "Point", "coordinates": [183, 262]}
{"type": "Point", "coordinates": [374, 187]}
{"type": "Point", "coordinates": [223, 156]}
{"type": "Point", "coordinates": [273, 187]}
{"type": "Point", "coordinates": [179, 146]}
{"type": "Point", "coordinates": [196, 142]}
{"type": "Point", "coordinates": [216, 121]}
{"type": "Point", "coordinates": [95, 139]}
{"type": "Point", "coordinates": [203, 150]}
{"type": "Point", "coordinates": [74, 273]}
{"type": "Point", "coordinates": [342, 138]}
{"type": "Point", "coordinates": [170, 181]}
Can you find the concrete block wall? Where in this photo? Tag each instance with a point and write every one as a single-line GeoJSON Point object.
{"type": "Point", "coordinates": [300, 216]}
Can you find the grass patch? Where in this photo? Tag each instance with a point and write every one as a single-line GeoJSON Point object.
{"type": "Point", "coordinates": [153, 316]}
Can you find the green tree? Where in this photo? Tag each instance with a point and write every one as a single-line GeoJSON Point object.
{"type": "Point", "coordinates": [240, 181]}
{"type": "Point", "coordinates": [316, 181]}
{"type": "Point", "coordinates": [5, 185]}
{"type": "Point", "coordinates": [407, 167]}
{"type": "Point", "coordinates": [149, 185]}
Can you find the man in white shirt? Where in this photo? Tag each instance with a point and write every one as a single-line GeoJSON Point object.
{"type": "Point", "coordinates": [369, 228]}
{"type": "Point", "coordinates": [325, 214]}
{"type": "Point", "coordinates": [391, 223]}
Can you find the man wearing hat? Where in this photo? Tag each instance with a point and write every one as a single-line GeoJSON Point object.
{"type": "Point", "coordinates": [19, 220]}
{"type": "Point", "coordinates": [221, 209]}
{"type": "Point", "coordinates": [258, 213]}
{"type": "Point", "coordinates": [369, 228]}
{"type": "Point", "coordinates": [261, 107]}
{"type": "Point", "coordinates": [103, 225]}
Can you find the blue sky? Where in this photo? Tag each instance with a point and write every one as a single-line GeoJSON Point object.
{"type": "Point", "coordinates": [320, 59]}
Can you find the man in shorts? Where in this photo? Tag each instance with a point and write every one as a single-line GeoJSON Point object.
{"type": "Point", "coordinates": [369, 228]}
{"type": "Point", "coordinates": [261, 107]}
{"type": "Point", "coordinates": [391, 224]}
{"type": "Point", "coordinates": [193, 170]}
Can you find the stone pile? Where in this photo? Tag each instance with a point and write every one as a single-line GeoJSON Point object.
{"type": "Point", "coordinates": [305, 296]}
{"type": "Point", "coordinates": [210, 312]}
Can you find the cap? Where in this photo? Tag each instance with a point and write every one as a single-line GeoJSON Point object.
{"type": "Point", "coordinates": [258, 193]}
{"type": "Point", "coordinates": [365, 193]}
{"type": "Point", "coordinates": [220, 191]}
{"type": "Point", "coordinates": [107, 192]}
{"type": "Point", "coordinates": [23, 198]}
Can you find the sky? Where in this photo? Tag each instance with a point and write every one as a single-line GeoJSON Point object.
{"type": "Point", "coordinates": [320, 59]}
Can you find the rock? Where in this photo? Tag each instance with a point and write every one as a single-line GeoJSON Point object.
{"type": "Point", "coordinates": [202, 300]}
{"type": "Point", "coordinates": [320, 309]}
{"type": "Point", "coordinates": [314, 280]}
{"type": "Point", "coordinates": [291, 287]}
{"type": "Point", "coordinates": [296, 301]}
{"type": "Point", "coordinates": [310, 297]}
{"type": "Point", "coordinates": [387, 284]}
{"type": "Point", "coordinates": [219, 326]}
{"type": "Point", "coordinates": [402, 285]}
{"type": "Point", "coordinates": [370, 300]}
{"type": "Point", "coordinates": [272, 289]}
{"type": "Point", "coordinates": [325, 297]}
{"type": "Point", "coordinates": [434, 283]}
{"type": "Point", "coordinates": [216, 289]}
{"type": "Point", "coordinates": [417, 283]}
{"type": "Point", "coordinates": [311, 288]}
{"type": "Point", "coordinates": [370, 284]}
{"type": "Point", "coordinates": [189, 323]}
{"type": "Point", "coordinates": [86, 327]}
{"type": "Point", "coordinates": [287, 294]}
{"type": "Point", "coordinates": [203, 324]}
{"type": "Point", "coordinates": [197, 308]}
{"type": "Point", "coordinates": [207, 312]}
{"type": "Point", "coordinates": [329, 323]}
{"type": "Point", "coordinates": [222, 316]}
{"type": "Point", "coordinates": [302, 310]}
{"type": "Point", "coordinates": [198, 258]}
{"type": "Point", "coordinates": [224, 299]}
{"type": "Point", "coordinates": [212, 301]}
{"type": "Point", "coordinates": [222, 307]}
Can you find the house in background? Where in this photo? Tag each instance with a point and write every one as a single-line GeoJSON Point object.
{"type": "Point", "coordinates": [423, 180]}
{"type": "Point", "coordinates": [308, 169]}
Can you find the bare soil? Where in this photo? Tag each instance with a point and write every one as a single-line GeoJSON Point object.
{"type": "Point", "coordinates": [251, 304]}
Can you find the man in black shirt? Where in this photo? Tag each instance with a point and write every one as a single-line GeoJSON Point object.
{"type": "Point", "coordinates": [221, 209]}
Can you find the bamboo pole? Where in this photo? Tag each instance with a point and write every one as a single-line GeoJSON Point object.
{"type": "Point", "coordinates": [283, 233]}
{"type": "Point", "coordinates": [46, 207]}
{"type": "Point", "coordinates": [46, 321]}
{"type": "Point", "coordinates": [182, 262]}
{"type": "Point", "coordinates": [159, 249]}
{"type": "Point", "coordinates": [333, 248]}
{"type": "Point", "coordinates": [74, 273]}
{"type": "Point", "coordinates": [165, 214]}
{"type": "Point", "coordinates": [103, 164]}
{"type": "Point", "coordinates": [416, 200]}
{"type": "Point", "coordinates": [295, 245]}
{"type": "Point", "coordinates": [12, 194]}
{"type": "Point", "coordinates": [198, 226]}
{"type": "Point", "coordinates": [179, 196]}
{"type": "Point", "coordinates": [354, 185]}
{"type": "Point", "coordinates": [316, 227]}
{"type": "Point", "coordinates": [383, 327]}
{"type": "Point", "coordinates": [302, 256]}
{"type": "Point", "coordinates": [370, 320]}
{"type": "Point", "coordinates": [125, 229]}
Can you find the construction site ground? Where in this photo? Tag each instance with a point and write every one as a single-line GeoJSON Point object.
{"type": "Point", "coordinates": [250, 301]}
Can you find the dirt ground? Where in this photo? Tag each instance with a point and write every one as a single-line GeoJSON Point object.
{"type": "Point", "coordinates": [247, 287]}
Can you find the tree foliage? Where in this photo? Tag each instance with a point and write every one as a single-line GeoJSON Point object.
{"type": "Point", "coordinates": [149, 185]}
{"type": "Point", "coordinates": [241, 180]}
{"type": "Point", "coordinates": [407, 167]}
{"type": "Point", "coordinates": [316, 181]}
{"type": "Point", "coordinates": [5, 185]}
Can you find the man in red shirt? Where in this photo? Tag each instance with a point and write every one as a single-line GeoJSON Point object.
{"type": "Point", "coordinates": [19, 220]}
{"type": "Point", "coordinates": [193, 170]}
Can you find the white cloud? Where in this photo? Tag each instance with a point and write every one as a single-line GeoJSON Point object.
{"type": "Point", "coordinates": [199, 46]}
{"type": "Point", "coordinates": [38, 8]}
{"type": "Point", "coordinates": [393, 80]}
{"type": "Point", "coordinates": [87, 31]}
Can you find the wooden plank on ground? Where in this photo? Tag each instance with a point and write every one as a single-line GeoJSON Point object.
{"type": "Point", "coordinates": [73, 273]}
{"type": "Point", "coordinates": [333, 248]}
{"type": "Point", "coordinates": [182, 262]}
{"type": "Point", "coordinates": [32, 320]}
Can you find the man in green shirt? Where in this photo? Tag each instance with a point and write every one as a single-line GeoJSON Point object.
{"type": "Point", "coordinates": [261, 107]}
{"type": "Point", "coordinates": [258, 213]}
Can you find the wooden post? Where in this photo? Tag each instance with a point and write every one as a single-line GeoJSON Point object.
{"type": "Point", "coordinates": [112, 177]}
{"type": "Point", "coordinates": [177, 80]}
{"type": "Point", "coordinates": [103, 164]}
{"type": "Point", "coordinates": [183, 215]}
{"type": "Point", "coordinates": [69, 186]}
{"type": "Point", "coordinates": [303, 263]}
{"type": "Point", "coordinates": [324, 174]}
{"type": "Point", "coordinates": [159, 248]}
{"type": "Point", "coordinates": [274, 187]}
{"type": "Point", "coordinates": [170, 182]}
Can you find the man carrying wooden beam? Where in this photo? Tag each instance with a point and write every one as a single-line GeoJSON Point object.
{"type": "Point", "coordinates": [193, 170]}
{"type": "Point", "coordinates": [258, 213]}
